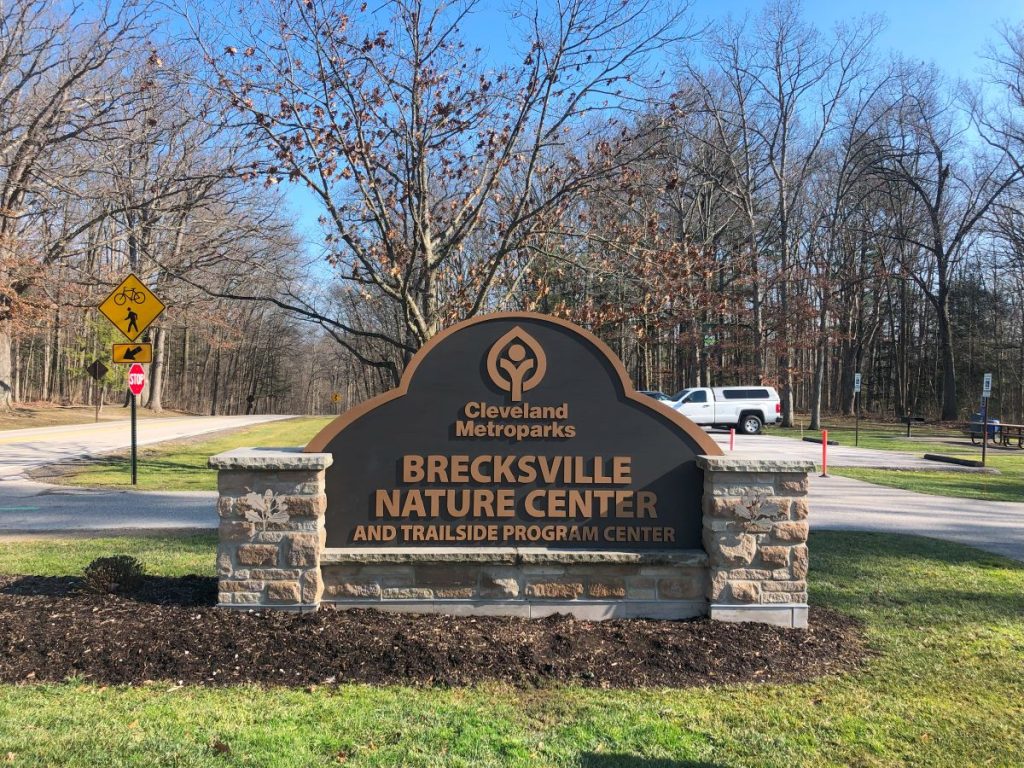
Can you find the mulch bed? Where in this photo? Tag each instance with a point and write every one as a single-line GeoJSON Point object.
{"type": "Point", "coordinates": [170, 630]}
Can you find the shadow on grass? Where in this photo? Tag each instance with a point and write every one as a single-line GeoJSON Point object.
{"type": "Point", "coordinates": [184, 591]}
{"type": "Point", "coordinates": [854, 549]}
{"type": "Point", "coordinates": [151, 460]}
{"type": "Point", "coordinates": [594, 760]}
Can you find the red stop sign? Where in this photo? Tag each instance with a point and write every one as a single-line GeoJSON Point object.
{"type": "Point", "coordinates": [136, 379]}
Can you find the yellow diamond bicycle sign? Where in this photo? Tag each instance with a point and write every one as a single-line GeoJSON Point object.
{"type": "Point", "coordinates": [132, 307]}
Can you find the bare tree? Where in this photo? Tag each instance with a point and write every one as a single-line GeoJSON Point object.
{"type": "Point", "coordinates": [922, 152]}
{"type": "Point", "coordinates": [433, 168]}
{"type": "Point", "coordinates": [59, 85]}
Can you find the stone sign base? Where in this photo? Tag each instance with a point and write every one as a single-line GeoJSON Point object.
{"type": "Point", "coordinates": [753, 566]}
{"type": "Point", "coordinates": [523, 582]}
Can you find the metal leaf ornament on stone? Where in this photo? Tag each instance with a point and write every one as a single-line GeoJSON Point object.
{"type": "Point", "coordinates": [265, 509]}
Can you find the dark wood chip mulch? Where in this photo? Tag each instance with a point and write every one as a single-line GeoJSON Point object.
{"type": "Point", "coordinates": [170, 630]}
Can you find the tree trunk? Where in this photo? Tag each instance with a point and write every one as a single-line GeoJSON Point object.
{"type": "Point", "coordinates": [156, 372]}
{"type": "Point", "coordinates": [216, 384]}
{"type": "Point", "coordinates": [950, 410]}
{"type": "Point", "coordinates": [819, 367]}
{"type": "Point", "coordinates": [6, 367]}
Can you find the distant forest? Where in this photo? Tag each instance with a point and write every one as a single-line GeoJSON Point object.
{"type": "Point", "coordinates": [752, 201]}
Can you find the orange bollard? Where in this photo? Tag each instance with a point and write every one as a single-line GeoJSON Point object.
{"type": "Point", "coordinates": [732, 438]}
{"type": "Point", "coordinates": [824, 453]}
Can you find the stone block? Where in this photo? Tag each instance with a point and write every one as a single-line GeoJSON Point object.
{"type": "Point", "coordinates": [231, 585]}
{"type": "Point", "coordinates": [225, 565]}
{"type": "Point", "coordinates": [793, 616]}
{"type": "Point", "coordinates": [284, 592]}
{"type": "Point", "coordinates": [784, 586]}
{"type": "Point", "coordinates": [799, 510]}
{"type": "Point", "coordinates": [499, 587]}
{"type": "Point", "coordinates": [303, 549]}
{"type": "Point", "coordinates": [642, 588]}
{"type": "Point", "coordinates": [407, 593]}
{"type": "Point", "coordinates": [284, 483]}
{"type": "Point", "coordinates": [680, 589]}
{"type": "Point", "coordinates": [275, 574]}
{"type": "Point", "coordinates": [606, 588]}
{"type": "Point", "coordinates": [790, 532]}
{"type": "Point", "coordinates": [731, 488]}
{"type": "Point", "coordinates": [257, 554]}
{"type": "Point", "coordinates": [236, 482]}
{"type": "Point", "coordinates": [799, 565]}
{"type": "Point", "coordinates": [731, 548]}
{"type": "Point", "coordinates": [446, 575]}
{"type": "Point", "coordinates": [794, 484]}
{"type": "Point", "coordinates": [555, 590]}
{"type": "Point", "coordinates": [775, 556]}
{"type": "Point", "coordinates": [268, 537]}
{"type": "Point", "coordinates": [358, 589]}
{"type": "Point", "coordinates": [240, 598]}
{"type": "Point", "coordinates": [235, 531]}
{"type": "Point", "coordinates": [745, 591]}
{"type": "Point", "coordinates": [783, 597]}
{"type": "Point", "coordinates": [718, 588]}
{"type": "Point", "coordinates": [718, 466]}
{"type": "Point", "coordinates": [305, 506]}
{"type": "Point", "coordinates": [749, 574]}
{"type": "Point", "coordinates": [312, 586]}
{"type": "Point", "coordinates": [226, 508]}
{"type": "Point", "coordinates": [454, 593]}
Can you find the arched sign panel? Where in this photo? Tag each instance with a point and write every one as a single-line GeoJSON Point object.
{"type": "Point", "coordinates": [514, 429]}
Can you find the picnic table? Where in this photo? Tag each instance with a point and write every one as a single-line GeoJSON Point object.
{"type": "Point", "coordinates": [1010, 432]}
{"type": "Point", "coordinates": [999, 433]}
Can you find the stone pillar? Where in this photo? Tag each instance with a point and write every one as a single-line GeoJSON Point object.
{"type": "Point", "coordinates": [271, 534]}
{"type": "Point", "coordinates": [755, 534]}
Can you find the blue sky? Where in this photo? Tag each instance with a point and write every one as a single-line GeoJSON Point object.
{"type": "Point", "coordinates": [949, 33]}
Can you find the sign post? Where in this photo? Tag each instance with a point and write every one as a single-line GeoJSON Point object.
{"type": "Point", "coordinates": [136, 382]}
{"type": "Point", "coordinates": [856, 408]}
{"type": "Point", "coordinates": [132, 308]}
{"type": "Point", "coordinates": [986, 393]}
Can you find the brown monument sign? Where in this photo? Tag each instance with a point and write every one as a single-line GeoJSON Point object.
{"type": "Point", "coordinates": [514, 429]}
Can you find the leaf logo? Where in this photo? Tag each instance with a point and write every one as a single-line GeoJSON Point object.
{"type": "Point", "coordinates": [516, 363]}
{"type": "Point", "coordinates": [265, 509]}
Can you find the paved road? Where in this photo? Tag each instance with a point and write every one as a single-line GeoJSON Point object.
{"type": "Point", "coordinates": [31, 506]}
{"type": "Point", "coordinates": [844, 504]}
{"type": "Point", "coordinates": [837, 503]}
{"type": "Point", "coordinates": [24, 449]}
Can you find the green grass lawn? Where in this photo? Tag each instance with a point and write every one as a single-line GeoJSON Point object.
{"type": "Point", "coordinates": [180, 465]}
{"type": "Point", "coordinates": [1008, 485]}
{"type": "Point", "coordinates": [946, 688]}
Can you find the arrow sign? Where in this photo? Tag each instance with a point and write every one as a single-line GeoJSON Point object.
{"type": "Point", "coordinates": [133, 353]}
{"type": "Point", "coordinates": [136, 379]}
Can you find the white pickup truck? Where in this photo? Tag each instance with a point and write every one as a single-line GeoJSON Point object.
{"type": "Point", "coordinates": [746, 408]}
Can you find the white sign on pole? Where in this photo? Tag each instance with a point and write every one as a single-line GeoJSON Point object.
{"type": "Point", "coordinates": [986, 385]}
{"type": "Point", "coordinates": [856, 383]}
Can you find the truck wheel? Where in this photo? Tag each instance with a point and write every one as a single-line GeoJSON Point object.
{"type": "Point", "coordinates": [750, 424]}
